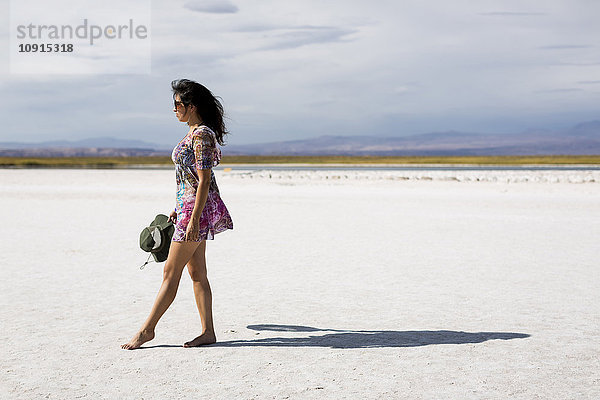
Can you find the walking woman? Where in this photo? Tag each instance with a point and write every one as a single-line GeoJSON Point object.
{"type": "Point", "coordinates": [199, 212]}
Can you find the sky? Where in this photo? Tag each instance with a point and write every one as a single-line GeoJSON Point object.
{"type": "Point", "coordinates": [295, 69]}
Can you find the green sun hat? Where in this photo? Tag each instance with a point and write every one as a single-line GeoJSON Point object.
{"type": "Point", "coordinates": [156, 238]}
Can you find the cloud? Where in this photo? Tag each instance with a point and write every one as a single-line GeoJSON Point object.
{"type": "Point", "coordinates": [291, 36]}
{"type": "Point", "coordinates": [212, 6]}
{"type": "Point", "coordinates": [397, 68]}
{"type": "Point", "coordinates": [406, 89]}
{"type": "Point", "coordinates": [512, 14]}
{"type": "Point", "coordinates": [258, 28]}
{"type": "Point", "coordinates": [306, 35]}
{"type": "Point", "coordinates": [577, 64]}
{"type": "Point", "coordinates": [565, 46]}
{"type": "Point", "coordinates": [565, 90]}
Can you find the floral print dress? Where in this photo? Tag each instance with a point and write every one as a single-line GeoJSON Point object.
{"type": "Point", "coordinates": [198, 150]}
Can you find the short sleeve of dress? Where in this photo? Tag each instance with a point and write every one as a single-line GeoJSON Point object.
{"type": "Point", "coordinates": [203, 143]}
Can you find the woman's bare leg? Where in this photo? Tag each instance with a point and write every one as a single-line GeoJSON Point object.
{"type": "Point", "coordinates": [179, 254]}
{"type": "Point", "coordinates": [202, 293]}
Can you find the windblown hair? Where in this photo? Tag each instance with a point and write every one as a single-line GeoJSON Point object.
{"type": "Point", "coordinates": [208, 106]}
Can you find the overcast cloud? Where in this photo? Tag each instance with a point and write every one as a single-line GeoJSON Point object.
{"type": "Point", "coordinates": [301, 68]}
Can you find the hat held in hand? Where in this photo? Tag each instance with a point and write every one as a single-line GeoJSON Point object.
{"type": "Point", "coordinates": [156, 238]}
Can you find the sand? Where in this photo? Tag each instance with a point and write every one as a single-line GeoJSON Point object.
{"type": "Point", "coordinates": [371, 285]}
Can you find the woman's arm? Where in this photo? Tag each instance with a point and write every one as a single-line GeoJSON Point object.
{"type": "Point", "coordinates": [201, 193]}
{"type": "Point", "coordinates": [203, 144]}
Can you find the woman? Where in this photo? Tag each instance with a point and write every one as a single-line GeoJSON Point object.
{"type": "Point", "coordinates": [199, 213]}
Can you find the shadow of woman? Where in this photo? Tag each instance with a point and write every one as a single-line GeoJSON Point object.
{"type": "Point", "coordinates": [351, 339]}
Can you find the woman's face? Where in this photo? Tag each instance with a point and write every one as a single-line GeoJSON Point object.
{"type": "Point", "coordinates": [181, 111]}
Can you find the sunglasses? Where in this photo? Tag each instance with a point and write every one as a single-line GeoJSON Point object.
{"type": "Point", "coordinates": [177, 103]}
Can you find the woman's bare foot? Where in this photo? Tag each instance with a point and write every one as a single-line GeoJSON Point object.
{"type": "Point", "coordinates": [138, 339]}
{"type": "Point", "coordinates": [206, 338]}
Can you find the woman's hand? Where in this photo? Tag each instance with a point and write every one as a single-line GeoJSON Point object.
{"type": "Point", "coordinates": [173, 217]}
{"type": "Point", "coordinates": [191, 232]}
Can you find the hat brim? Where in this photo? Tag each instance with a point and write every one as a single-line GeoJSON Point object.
{"type": "Point", "coordinates": [161, 254]}
{"type": "Point", "coordinates": [166, 229]}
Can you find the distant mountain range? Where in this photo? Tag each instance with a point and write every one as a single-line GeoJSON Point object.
{"type": "Point", "coordinates": [583, 138]}
{"type": "Point", "coordinates": [92, 147]}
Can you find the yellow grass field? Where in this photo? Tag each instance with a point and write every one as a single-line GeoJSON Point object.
{"type": "Point", "coordinates": [116, 162]}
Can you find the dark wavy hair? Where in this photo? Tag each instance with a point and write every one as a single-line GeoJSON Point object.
{"type": "Point", "coordinates": [208, 106]}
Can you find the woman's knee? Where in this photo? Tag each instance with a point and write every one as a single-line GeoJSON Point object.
{"type": "Point", "coordinates": [179, 254]}
{"type": "Point", "coordinates": [198, 275]}
{"type": "Point", "coordinates": [197, 269]}
{"type": "Point", "coordinates": [171, 271]}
